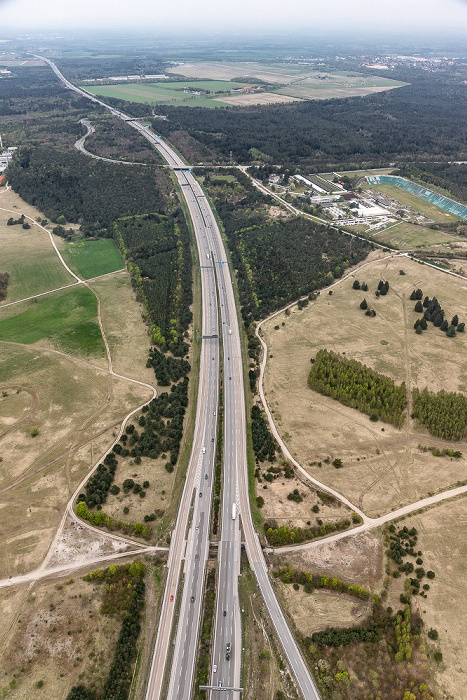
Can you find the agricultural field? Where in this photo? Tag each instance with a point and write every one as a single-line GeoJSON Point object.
{"type": "Point", "coordinates": [299, 81]}
{"type": "Point", "coordinates": [169, 92]}
{"type": "Point", "coordinates": [27, 255]}
{"type": "Point", "coordinates": [67, 319]}
{"type": "Point", "coordinates": [90, 259]}
{"type": "Point", "coordinates": [431, 211]}
{"type": "Point", "coordinates": [383, 467]}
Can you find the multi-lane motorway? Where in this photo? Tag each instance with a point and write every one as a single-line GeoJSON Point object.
{"type": "Point", "coordinates": [190, 537]}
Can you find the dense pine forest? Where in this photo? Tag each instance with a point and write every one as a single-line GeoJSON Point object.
{"type": "Point", "coordinates": [358, 386]}
{"type": "Point", "coordinates": [444, 413]}
{"type": "Point", "coordinates": [277, 259]}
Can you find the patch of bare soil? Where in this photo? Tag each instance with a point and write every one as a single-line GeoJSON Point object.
{"type": "Point", "coordinates": [78, 544]}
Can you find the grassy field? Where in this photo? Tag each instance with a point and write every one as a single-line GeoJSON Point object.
{"type": "Point", "coordinates": [168, 92]}
{"type": "Point", "coordinates": [383, 466]}
{"type": "Point", "coordinates": [330, 85]}
{"type": "Point", "coordinates": [360, 173]}
{"type": "Point", "coordinates": [28, 254]}
{"type": "Point", "coordinates": [90, 259]}
{"type": "Point", "coordinates": [407, 236]}
{"type": "Point", "coordinates": [416, 203]}
{"type": "Point", "coordinates": [68, 318]}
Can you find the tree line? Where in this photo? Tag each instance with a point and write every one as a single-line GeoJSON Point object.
{"type": "Point", "coordinates": [263, 442]}
{"type": "Point", "coordinates": [158, 253]}
{"type": "Point", "coordinates": [354, 384]}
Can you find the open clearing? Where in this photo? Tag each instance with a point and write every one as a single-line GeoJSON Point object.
{"type": "Point", "coordinates": [123, 326]}
{"type": "Point", "coordinates": [383, 466]}
{"type": "Point", "coordinates": [441, 538]}
{"type": "Point", "coordinates": [431, 211]}
{"type": "Point", "coordinates": [67, 318]}
{"type": "Point", "coordinates": [292, 514]}
{"type": "Point", "coordinates": [90, 259]}
{"type": "Point", "coordinates": [28, 254]}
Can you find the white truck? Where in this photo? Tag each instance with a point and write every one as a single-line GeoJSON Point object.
{"type": "Point", "coordinates": [234, 511]}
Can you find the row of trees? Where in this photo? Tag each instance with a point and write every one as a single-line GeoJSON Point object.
{"type": "Point", "coordinates": [444, 414]}
{"type": "Point", "coordinates": [285, 535]}
{"type": "Point", "coordinates": [287, 574]}
{"type": "Point", "coordinates": [167, 368]}
{"type": "Point", "coordinates": [100, 518]}
{"type": "Point", "coordinates": [263, 442]}
{"type": "Point", "coordinates": [131, 600]}
{"type": "Point", "coordinates": [358, 386]}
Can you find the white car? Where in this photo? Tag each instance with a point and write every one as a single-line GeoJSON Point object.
{"type": "Point", "coordinates": [214, 668]}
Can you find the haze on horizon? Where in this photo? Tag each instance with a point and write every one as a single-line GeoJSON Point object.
{"type": "Point", "coordinates": [244, 15]}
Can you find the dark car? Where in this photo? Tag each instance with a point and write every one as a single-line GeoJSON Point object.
{"type": "Point", "coordinates": [192, 598]}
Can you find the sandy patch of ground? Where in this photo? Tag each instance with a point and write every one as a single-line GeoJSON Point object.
{"type": "Point", "coordinates": [259, 98]}
{"type": "Point", "coordinates": [124, 327]}
{"type": "Point", "coordinates": [78, 544]}
{"type": "Point", "coordinates": [383, 467]}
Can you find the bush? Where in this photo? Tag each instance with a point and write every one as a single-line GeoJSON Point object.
{"type": "Point", "coordinates": [259, 501]}
{"type": "Point", "coordinates": [337, 463]}
{"type": "Point", "coordinates": [438, 656]}
{"type": "Point", "coordinates": [433, 634]}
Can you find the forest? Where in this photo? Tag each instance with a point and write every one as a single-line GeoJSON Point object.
{"type": "Point", "coordinates": [86, 191]}
{"type": "Point", "coordinates": [444, 414]}
{"type": "Point", "coordinates": [421, 121]}
{"type": "Point", "coordinates": [157, 250]}
{"type": "Point", "coordinates": [355, 385]}
{"type": "Point", "coordinates": [277, 259]}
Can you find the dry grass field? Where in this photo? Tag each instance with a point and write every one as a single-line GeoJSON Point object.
{"type": "Point", "coordinates": [76, 410]}
{"type": "Point", "coordinates": [382, 466]}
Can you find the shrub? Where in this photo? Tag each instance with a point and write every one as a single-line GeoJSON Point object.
{"type": "Point", "coordinates": [433, 634]}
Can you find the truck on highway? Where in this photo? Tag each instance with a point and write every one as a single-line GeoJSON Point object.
{"type": "Point", "coordinates": [234, 511]}
{"type": "Point", "coordinates": [227, 652]}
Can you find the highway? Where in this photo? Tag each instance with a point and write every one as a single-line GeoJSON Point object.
{"type": "Point", "coordinates": [190, 537]}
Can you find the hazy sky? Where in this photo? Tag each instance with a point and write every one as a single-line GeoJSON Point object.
{"type": "Point", "coordinates": [237, 14]}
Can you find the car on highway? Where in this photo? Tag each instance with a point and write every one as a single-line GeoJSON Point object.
{"type": "Point", "coordinates": [214, 668]}
{"type": "Point", "coordinates": [197, 527]}
{"type": "Point", "coordinates": [171, 599]}
{"type": "Point", "coordinates": [205, 476]}
{"type": "Point", "coordinates": [225, 613]}
{"type": "Point", "coordinates": [227, 652]}
{"type": "Point", "coordinates": [204, 450]}
{"type": "Point", "coordinates": [192, 598]}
